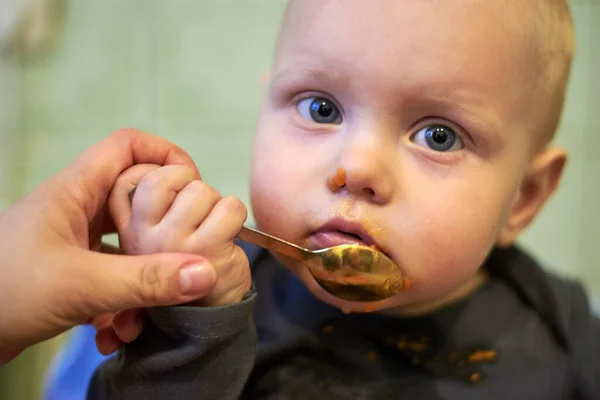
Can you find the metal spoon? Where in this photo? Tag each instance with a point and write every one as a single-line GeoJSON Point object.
{"type": "Point", "coordinates": [350, 271]}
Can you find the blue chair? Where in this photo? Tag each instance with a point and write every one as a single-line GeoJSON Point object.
{"type": "Point", "coordinates": [72, 368]}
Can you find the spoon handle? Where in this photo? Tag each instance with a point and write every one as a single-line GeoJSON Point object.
{"type": "Point", "coordinates": [272, 243]}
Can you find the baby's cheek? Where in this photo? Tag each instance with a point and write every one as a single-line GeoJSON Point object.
{"type": "Point", "coordinates": [266, 207]}
{"type": "Point", "coordinates": [272, 201]}
{"type": "Point", "coordinates": [448, 252]}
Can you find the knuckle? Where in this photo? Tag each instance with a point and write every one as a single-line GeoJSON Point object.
{"type": "Point", "coordinates": [157, 242]}
{"type": "Point", "coordinates": [235, 207]}
{"type": "Point", "coordinates": [121, 181]}
{"type": "Point", "coordinates": [153, 287]}
{"type": "Point", "coordinates": [211, 193]}
{"type": "Point", "coordinates": [124, 134]}
{"type": "Point", "coordinates": [198, 187]}
{"type": "Point", "coordinates": [167, 177]}
{"type": "Point", "coordinates": [153, 180]}
{"type": "Point", "coordinates": [128, 137]}
{"type": "Point", "coordinates": [180, 170]}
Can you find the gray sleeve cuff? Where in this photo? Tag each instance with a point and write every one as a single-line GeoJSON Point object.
{"type": "Point", "coordinates": [201, 323]}
{"type": "Point", "coordinates": [184, 353]}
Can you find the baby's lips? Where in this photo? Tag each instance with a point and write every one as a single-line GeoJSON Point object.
{"type": "Point", "coordinates": [341, 230]}
{"type": "Point", "coordinates": [326, 239]}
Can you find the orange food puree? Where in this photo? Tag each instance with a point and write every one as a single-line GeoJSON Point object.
{"type": "Point", "coordinates": [331, 185]}
{"type": "Point", "coordinates": [340, 177]}
{"type": "Point", "coordinates": [337, 181]}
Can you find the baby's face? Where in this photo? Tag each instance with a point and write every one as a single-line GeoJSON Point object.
{"type": "Point", "coordinates": [420, 103]}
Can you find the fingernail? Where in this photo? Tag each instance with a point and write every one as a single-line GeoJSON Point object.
{"type": "Point", "coordinates": [196, 278]}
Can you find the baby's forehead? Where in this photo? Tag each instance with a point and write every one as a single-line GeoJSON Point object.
{"type": "Point", "coordinates": [400, 45]}
{"type": "Point", "coordinates": [539, 21]}
{"type": "Point", "coordinates": [532, 38]}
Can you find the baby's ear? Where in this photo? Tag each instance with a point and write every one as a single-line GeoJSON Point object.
{"type": "Point", "coordinates": [539, 184]}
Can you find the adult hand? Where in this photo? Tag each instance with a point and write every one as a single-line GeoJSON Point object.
{"type": "Point", "coordinates": [53, 275]}
{"type": "Point", "coordinates": [172, 210]}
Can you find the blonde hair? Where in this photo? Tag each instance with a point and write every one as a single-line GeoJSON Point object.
{"type": "Point", "coordinates": [551, 30]}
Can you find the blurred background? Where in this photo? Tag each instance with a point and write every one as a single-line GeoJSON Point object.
{"type": "Point", "coordinates": [193, 71]}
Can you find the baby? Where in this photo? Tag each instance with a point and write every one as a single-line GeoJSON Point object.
{"type": "Point", "coordinates": [421, 128]}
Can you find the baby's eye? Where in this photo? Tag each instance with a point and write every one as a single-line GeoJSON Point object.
{"type": "Point", "coordinates": [319, 110]}
{"type": "Point", "coordinates": [438, 138]}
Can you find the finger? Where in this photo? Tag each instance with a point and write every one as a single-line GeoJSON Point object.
{"type": "Point", "coordinates": [128, 324]}
{"type": "Point", "coordinates": [102, 321]}
{"type": "Point", "coordinates": [191, 206]}
{"type": "Point", "coordinates": [224, 222]}
{"type": "Point", "coordinates": [156, 192]}
{"type": "Point", "coordinates": [90, 177]}
{"type": "Point", "coordinates": [118, 201]}
{"type": "Point", "coordinates": [106, 283]}
{"type": "Point", "coordinates": [107, 341]}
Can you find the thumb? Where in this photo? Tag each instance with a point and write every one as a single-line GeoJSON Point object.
{"type": "Point", "coordinates": [117, 282]}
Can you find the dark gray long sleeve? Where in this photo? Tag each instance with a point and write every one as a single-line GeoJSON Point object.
{"type": "Point", "coordinates": [585, 339]}
{"type": "Point", "coordinates": [183, 353]}
{"type": "Point", "coordinates": [591, 369]}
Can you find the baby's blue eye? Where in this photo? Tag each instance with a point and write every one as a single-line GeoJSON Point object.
{"type": "Point", "coordinates": [438, 138]}
{"type": "Point", "coordinates": [319, 110]}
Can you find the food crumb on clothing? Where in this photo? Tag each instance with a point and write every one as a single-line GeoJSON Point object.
{"type": "Point", "coordinates": [475, 377]}
{"type": "Point", "coordinates": [328, 330]}
{"type": "Point", "coordinates": [482, 356]}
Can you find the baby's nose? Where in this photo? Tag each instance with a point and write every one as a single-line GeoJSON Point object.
{"type": "Point", "coordinates": [366, 172]}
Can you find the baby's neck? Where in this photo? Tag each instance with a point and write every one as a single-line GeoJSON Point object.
{"type": "Point", "coordinates": [464, 290]}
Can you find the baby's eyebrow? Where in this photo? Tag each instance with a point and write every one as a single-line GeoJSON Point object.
{"type": "Point", "coordinates": [290, 75]}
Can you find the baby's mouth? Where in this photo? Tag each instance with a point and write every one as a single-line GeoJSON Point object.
{"type": "Point", "coordinates": [339, 232]}
{"type": "Point", "coordinates": [338, 237]}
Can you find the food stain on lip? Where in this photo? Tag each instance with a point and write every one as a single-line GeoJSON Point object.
{"type": "Point", "coordinates": [347, 210]}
